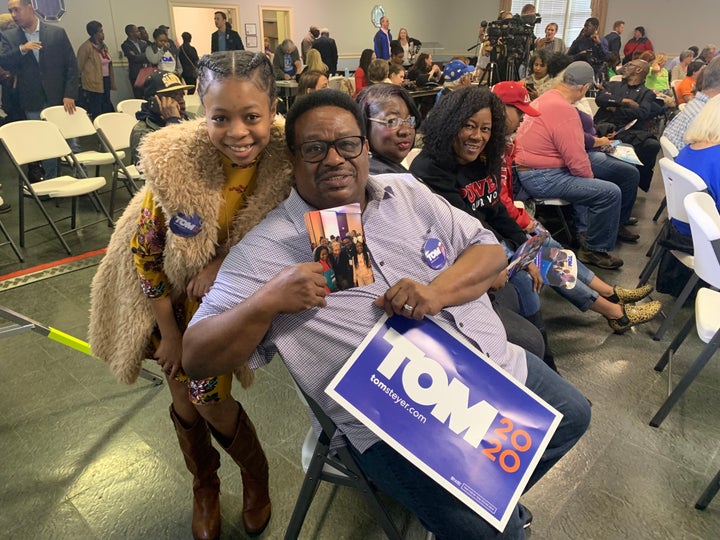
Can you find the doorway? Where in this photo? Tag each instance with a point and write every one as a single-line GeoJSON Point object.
{"type": "Point", "coordinates": [276, 25]}
{"type": "Point", "coordinates": [199, 20]}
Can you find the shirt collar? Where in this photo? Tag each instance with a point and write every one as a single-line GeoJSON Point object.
{"type": "Point", "coordinates": [296, 206]}
{"type": "Point", "coordinates": [35, 30]}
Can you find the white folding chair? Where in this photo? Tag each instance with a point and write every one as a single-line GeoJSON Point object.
{"type": "Point", "coordinates": [587, 105]}
{"type": "Point", "coordinates": [679, 183]}
{"type": "Point", "coordinates": [705, 226]}
{"type": "Point", "coordinates": [193, 105]}
{"type": "Point", "coordinates": [669, 151]}
{"type": "Point", "coordinates": [27, 141]}
{"type": "Point", "coordinates": [8, 239]}
{"type": "Point", "coordinates": [75, 125]}
{"type": "Point", "coordinates": [130, 106]}
{"type": "Point", "coordinates": [410, 157]}
{"type": "Point", "coordinates": [114, 131]}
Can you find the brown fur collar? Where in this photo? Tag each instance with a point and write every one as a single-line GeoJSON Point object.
{"type": "Point", "coordinates": [184, 172]}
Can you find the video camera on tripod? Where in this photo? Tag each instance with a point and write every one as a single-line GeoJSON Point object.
{"type": "Point", "coordinates": [514, 32]}
{"type": "Point", "coordinates": [512, 40]}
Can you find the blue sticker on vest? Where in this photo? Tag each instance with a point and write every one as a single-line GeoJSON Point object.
{"type": "Point", "coordinates": [434, 253]}
{"type": "Point", "coordinates": [184, 225]}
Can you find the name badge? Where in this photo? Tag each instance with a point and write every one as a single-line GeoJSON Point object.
{"type": "Point", "coordinates": [434, 253]}
{"type": "Point", "coordinates": [184, 225]}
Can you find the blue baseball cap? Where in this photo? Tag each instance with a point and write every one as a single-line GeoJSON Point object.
{"type": "Point", "coordinates": [455, 69]}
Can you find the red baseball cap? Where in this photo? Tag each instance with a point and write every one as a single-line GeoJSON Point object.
{"type": "Point", "coordinates": [515, 94]}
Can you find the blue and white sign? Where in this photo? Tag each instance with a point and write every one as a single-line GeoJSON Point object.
{"type": "Point", "coordinates": [428, 393]}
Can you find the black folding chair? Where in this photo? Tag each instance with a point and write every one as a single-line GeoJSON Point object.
{"type": "Point", "coordinates": [336, 466]}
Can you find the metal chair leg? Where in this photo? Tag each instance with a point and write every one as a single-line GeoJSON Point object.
{"type": "Point", "coordinates": [677, 306]}
{"type": "Point", "coordinates": [675, 344]}
{"type": "Point", "coordinates": [307, 492]}
{"type": "Point", "coordinates": [565, 226]}
{"type": "Point", "coordinates": [660, 209]}
{"type": "Point", "coordinates": [11, 242]}
{"type": "Point", "coordinates": [709, 493]}
{"type": "Point", "coordinates": [697, 366]}
{"type": "Point", "coordinates": [653, 245]}
{"type": "Point", "coordinates": [651, 265]}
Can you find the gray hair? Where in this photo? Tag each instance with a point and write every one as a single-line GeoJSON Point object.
{"type": "Point", "coordinates": [711, 75]}
{"type": "Point", "coordinates": [287, 45]}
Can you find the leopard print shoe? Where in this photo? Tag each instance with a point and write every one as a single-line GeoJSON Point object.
{"type": "Point", "coordinates": [633, 315]}
{"type": "Point", "coordinates": [621, 295]}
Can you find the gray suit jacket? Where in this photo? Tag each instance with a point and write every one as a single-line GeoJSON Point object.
{"type": "Point", "coordinates": [48, 81]}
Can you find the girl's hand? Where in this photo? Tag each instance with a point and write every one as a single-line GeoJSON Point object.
{"type": "Point", "coordinates": [201, 283]}
{"type": "Point", "coordinates": [169, 354]}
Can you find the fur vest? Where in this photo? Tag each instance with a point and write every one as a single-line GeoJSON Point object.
{"type": "Point", "coordinates": [184, 172]}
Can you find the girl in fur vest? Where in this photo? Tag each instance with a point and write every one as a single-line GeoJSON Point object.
{"type": "Point", "coordinates": [208, 183]}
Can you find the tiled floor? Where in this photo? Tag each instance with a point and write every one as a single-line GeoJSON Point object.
{"type": "Point", "coordinates": [83, 456]}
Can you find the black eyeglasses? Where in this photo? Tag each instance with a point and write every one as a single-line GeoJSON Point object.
{"type": "Point", "coordinates": [395, 123]}
{"type": "Point", "coordinates": [346, 147]}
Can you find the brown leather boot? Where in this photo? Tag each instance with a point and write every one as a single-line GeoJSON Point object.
{"type": "Point", "coordinates": [202, 461]}
{"type": "Point", "coordinates": [246, 451]}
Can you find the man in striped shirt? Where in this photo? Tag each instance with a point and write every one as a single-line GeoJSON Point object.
{"type": "Point", "coordinates": [257, 308]}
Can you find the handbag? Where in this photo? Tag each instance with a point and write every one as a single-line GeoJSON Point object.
{"type": "Point", "coordinates": [142, 75]}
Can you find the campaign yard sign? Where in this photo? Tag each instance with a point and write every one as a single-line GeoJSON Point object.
{"type": "Point", "coordinates": [437, 400]}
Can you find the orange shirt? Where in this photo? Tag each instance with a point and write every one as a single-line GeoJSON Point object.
{"type": "Point", "coordinates": [685, 87]}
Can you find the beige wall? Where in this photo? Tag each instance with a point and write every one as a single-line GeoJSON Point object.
{"type": "Point", "coordinates": [453, 23]}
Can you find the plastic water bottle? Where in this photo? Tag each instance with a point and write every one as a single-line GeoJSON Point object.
{"type": "Point", "coordinates": [347, 73]}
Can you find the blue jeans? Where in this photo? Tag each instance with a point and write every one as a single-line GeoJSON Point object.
{"type": "Point", "coordinates": [437, 509]}
{"type": "Point", "coordinates": [601, 198]}
{"type": "Point", "coordinates": [623, 175]}
{"type": "Point", "coordinates": [528, 299]}
{"type": "Point", "coordinates": [581, 295]}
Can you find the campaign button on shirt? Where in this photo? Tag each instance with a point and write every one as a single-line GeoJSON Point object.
{"type": "Point", "coordinates": [434, 253]}
{"type": "Point", "coordinates": [184, 225]}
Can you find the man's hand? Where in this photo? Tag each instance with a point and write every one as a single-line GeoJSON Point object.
{"type": "Point", "coordinates": [30, 46]}
{"type": "Point", "coordinates": [531, 226]}
{"type": "Point", "coordinates": [407, 294]}
{"type": "Point", "coordinates": [602, 141]}
{"type": "Point", "coordinates": [500, 281]}
{"type": "Point", "coordinates": [627, 102]}
{"type": "Point", "coordinates": [534, 272]}
{"type": "Point", "coordinates": [297, 288]}
{"type": "Point", "coordinates": [169, 108]}
{"type": "Point", "coordinates": [69, 105]}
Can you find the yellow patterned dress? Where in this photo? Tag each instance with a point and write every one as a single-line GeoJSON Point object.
{"type": "Point", "coordinates": [148, 245]}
